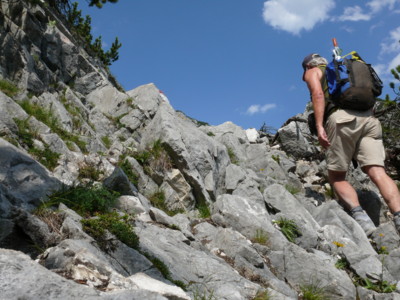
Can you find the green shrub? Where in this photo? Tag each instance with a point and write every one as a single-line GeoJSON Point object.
{"type": "Point", "coordinates": [46, 157]}
{"type": "Point", "coordinates": [289, 229]}
{"type": "Point", "coordinates": [43, 115]}
{"type": "Point", "coordinates": [115, 224]}
{"type": "Point", "coordinates": [143, 158]}
{"type": "Point", "coordinates": [8, 88]}
{"type": "Point", "coordinates": [47, 117]}
{"type": "Point", "coordinates": [85, 199]}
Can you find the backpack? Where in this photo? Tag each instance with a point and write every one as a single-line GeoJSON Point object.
{"type": "Point", "coordinates": [352, 83]}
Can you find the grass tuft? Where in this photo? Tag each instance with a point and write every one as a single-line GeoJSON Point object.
{"type": "Point", "coordinates": [289, 229]}
{"type": "Point", "coordinates": [8, 88]}
{"type": "Point", "coordinates": [84, 199]}
{"type": "Point", "coordinates": [115, 224]}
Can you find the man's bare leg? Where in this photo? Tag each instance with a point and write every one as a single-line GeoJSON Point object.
{"type": "Point", "coordinates": [343, 189]}
{"type": "Point", "coordinates": [348, 195]}
{"type": "Point", "coordinates": [386, 186]}
{"type": "Point", "coordinates": [388, 190]}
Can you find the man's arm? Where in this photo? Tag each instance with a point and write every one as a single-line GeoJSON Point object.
{"type": "Point", "coordinates": [313, 78]}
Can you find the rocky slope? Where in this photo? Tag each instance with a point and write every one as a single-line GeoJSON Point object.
{"type": "Point", "coordinates": [238, 217]}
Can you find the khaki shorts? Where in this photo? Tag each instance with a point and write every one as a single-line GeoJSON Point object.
{"type": "Point", "coordinates": [353, 134]}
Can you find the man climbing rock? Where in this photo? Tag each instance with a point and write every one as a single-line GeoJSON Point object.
{"type": "Point", "coordinates": [348, 134]}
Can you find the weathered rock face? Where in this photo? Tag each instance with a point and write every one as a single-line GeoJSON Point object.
{"type": "Point", "coordinates": [227, 192]}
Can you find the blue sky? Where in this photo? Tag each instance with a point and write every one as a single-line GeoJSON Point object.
{"type": "Point", "coordinates": [240, 60]}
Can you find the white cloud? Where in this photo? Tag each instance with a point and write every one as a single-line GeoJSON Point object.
{"type": "Point", "coordinates": [354, 13]}
{"type": "Point", "coordinates": [391, 44]}
{"type": "Point", "coordinates": [378, 5]}
{"type": "Point", "coordinates": [256, 108]}
{"type": "Point", "coordinates": [295, 16]}
{"type": "Point", "coordinates": [390, 55]}
{"type": "Point", "coordinates": [380, 69]}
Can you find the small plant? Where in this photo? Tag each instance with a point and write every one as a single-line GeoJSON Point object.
{"type": "Point", "coordinates": [174, 227]}
{"type": "Point", "coordinates": [52, 23]}
{"type": "Point", "coordinates": [289, 229]}
{"type": "Point", "coordinates": [261, 237]}
{"type": "Point", "coordinates": [115, 224]}
{"type": "Point", "coordinates": [155, 158]}
{"type": "Point", "coordinates": [262, 295]}
{"type": "Point", "coordinates": [143, 158]}
{"type": "Point", "coordinates": [383, 250]}
{"type": "Point", "coordinates": [121, 138]}
{"type": "Point", "coordinates": [117, 120]}
{"type": "Point", "coordinates": [292, 189]}
{"type": "Point", "coordinates": [8, 88]}
{"type": "Point", "coordinates": [89, 172]}
{"type": "Point", "coordinates": [210, 133]}
{"type": "Point", "coordinates": [129, 101]}
{"type": "Point", "coordinates": [313, 291]}
{"type": "Point", "coordinates": [52, 218]}
{"type": "Point", "coordinates": [46, 157]}
{"type": "Point", "coordinates": [342, 263]}
{"type": "Point", "coordinates": [25, 134]}
{"type": "Point", "coordinates": [203, 209]}
{"type": "Point", "coordinates": [106, 141]}
{"type": "Point", "coordinates": [330, 193]}
{"type": "Point", "coordinates": [162, 267]}
{"type": "Point", "coordinates": [161, 161]}
{"type": "Point", "coordinates": [232, 156]}
{"type": "Point", "coordinates": [276, 158]}
{"type": "Point", "coordinates": [73, 111]}
{"type": "Point", "coordinates": [158, 201]}
{"type": "Point", "coordinates": [197, 295]}
{"type": "Point", "coordinates": [382, 286]}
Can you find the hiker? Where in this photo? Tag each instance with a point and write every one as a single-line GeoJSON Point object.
{"type": "Point", "coordinates": [349, 134]}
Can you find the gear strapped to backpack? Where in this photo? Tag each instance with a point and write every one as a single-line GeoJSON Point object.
{"type": "Point", "coordinates": [352, 83]}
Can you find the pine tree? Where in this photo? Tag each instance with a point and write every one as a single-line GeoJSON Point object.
{"type": "Point", "coordinates": [112, 54]}
{"type": "Point", "coordinates": [99, 3]}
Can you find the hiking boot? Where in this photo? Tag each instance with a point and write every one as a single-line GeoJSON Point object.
{"type": "Point", "coordinates": [365, 222]}
{"type": "Point", "coordinates": [396, 221]}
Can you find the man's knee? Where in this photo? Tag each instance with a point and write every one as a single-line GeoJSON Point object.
{"type": "Point", "coordinates": [376, 173]}
{"type": "Point", "coordinates": [335, 176]}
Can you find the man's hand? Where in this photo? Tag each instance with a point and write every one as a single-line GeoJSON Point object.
{"type": "Point", "coordinates": [323, 138]}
